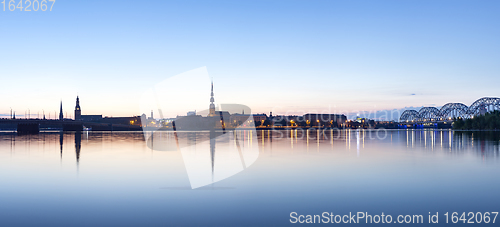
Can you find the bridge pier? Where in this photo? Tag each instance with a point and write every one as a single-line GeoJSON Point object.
{"type": "Point", "coordinates": [422, 125]}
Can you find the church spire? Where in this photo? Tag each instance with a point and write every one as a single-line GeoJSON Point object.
{"type": "Point", "coordinates": [60, 112]}
{"type": "Point", "coordinates": [211, 110]}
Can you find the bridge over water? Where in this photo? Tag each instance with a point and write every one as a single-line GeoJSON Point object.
{"type": "Point", "coordinates": [429, 115]}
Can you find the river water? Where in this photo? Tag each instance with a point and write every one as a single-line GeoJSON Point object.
{"type": "Point", "coordinates": [119, 179]}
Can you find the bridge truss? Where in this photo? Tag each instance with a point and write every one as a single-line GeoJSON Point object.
{"type": "Point", "coordinates": [451, 110]}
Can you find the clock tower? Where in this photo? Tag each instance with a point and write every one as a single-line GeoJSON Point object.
{"type": "Point", "coordinates": [78, 111]}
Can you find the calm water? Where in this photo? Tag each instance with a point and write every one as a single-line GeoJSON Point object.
{"type": "Point", "coordinates": [115, 178]}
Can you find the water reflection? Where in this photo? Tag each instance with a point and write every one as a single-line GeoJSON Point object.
{"type": "Point", "coordinates": [209, 156]}
{"type": "Point", "coordinates": [485, 144]}
{"type": "Point", "coordinates": [119, 176]}
{"type": "Point", "coordinates": [78, 145]}
{"type": "Point", "coordinates": [61, 141]}
{"type": "Point", "coordinates": [358, 140]}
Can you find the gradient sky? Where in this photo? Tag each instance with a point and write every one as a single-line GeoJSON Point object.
{"type": "Point", "coordinates": [281, 56]}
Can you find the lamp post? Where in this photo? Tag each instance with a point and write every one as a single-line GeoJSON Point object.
{"type": "Point", "coordinates": [43, 112]}
{"type": "Point", "coordinates": [10, 112]}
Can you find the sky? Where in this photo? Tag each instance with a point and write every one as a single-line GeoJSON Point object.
{"type": "Point", "coordinates": [288, 57]}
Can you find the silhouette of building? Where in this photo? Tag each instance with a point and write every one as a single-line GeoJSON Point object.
{"type": "Point", "coordinates": [61, 117]}
{"type": "Point", "coordinates": [192, 121]}
{"type": "Point", "coordinates": [136, 120]}
{"type": "Point", "coordinates": [78, 111]}
{"type": "Point", "coordinates": [332, 120]}
{"type": "Point", "coordinates": [91, 118]}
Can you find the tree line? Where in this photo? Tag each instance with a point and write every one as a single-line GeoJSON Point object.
{"type": "Point", "coordinates": [488, 121]}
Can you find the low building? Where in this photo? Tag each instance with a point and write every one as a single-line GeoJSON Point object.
{"type": "Point", "coordinates": [91, 118]}
{"type": "Point", "coordinates": [246, 119]}
{"type": "Point", "coordinates": [136, 120]}
{"type": "Point", "coordinates": [332, 120]}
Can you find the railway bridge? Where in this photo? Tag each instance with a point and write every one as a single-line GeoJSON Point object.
{"type": "Point", "coordinates": [431, 116]}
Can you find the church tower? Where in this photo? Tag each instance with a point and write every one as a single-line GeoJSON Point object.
{"type": "Point", "coordinates": [60, 113]}
{"type": "Point", "coordinates": [78, 111]}
{"type": "Point", "coordinates": [211, 110]}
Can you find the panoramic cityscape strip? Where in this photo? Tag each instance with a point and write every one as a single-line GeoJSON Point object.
{"type": "Point", "coordinates": [482, 114]}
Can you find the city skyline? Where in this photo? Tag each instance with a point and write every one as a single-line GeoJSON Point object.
{"type": "Point", "coordinates": [449, 110]}
{"type": "Point", "coordinates": [191, 83]}
{"type": "Point", "coordinates": [349, 57]}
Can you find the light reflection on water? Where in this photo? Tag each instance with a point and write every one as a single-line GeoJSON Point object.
{"type": "Point", "coordinates": [115, 178]}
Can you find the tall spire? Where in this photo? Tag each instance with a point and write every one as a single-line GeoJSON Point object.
{"type": "Point", "coordinates": [211, 111]}
{"type": "Point", "coordinates": [212, 94]}
{"type": "Point", "coordinates": [60, 112]}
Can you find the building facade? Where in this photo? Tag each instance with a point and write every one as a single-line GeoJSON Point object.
{"type": "Point", "coordinates": [78, 111]}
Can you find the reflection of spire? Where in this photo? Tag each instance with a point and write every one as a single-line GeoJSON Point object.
{"type": "Point", "coordinates": [239, 149]}
{"type": "Point", "coordinates": [212, 150]}
{"type": "Point", "coordinates": [61, 138]}
{"type": "Point", "coordinates": [78, 145]}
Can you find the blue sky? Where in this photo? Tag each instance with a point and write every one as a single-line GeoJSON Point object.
{"type": "Point", "coordinates": [280, 56]}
